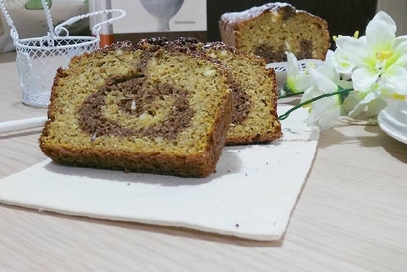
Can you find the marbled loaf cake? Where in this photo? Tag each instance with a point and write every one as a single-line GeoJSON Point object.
{"type": "Point", "coordinates": [274, 28]}
{"type": "Point", "coordinates": [163, 110]}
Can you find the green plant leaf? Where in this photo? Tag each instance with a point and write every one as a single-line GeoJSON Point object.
{"type": "Point", "coordinates": [37, 5]}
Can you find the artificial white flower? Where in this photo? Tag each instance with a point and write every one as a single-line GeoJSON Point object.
{"type": "Point", "coordinates": [325, 111]}
{"type": "Point", "coordinates": [379, 56]}
{"type": "Point", "coordinates": [297, 81]}
{"type": "Point", "coordinates": [340, 59]}
{"type": "Point", "coordinates": [362, 76]}
{"type": "Point", "coordinates": [355, 104]}
{"type": "Point", "coordinates": [329, 69]}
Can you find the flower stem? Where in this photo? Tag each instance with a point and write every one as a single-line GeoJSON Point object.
{"type": "Point", "coordinates": [285, 115]}
{"type": "Point", "coordinates": [289, 95]}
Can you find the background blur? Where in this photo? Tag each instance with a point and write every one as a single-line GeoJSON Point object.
{"type": "Point", "coordinates": [344, 17]}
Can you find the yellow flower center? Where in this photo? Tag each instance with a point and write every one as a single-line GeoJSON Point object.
{"type": "Point", "coordinates": [355, 35]}
{"type": "Point", "coordinates": [384, 55]}
{"type": "Point", "coordinates": [397, 96]}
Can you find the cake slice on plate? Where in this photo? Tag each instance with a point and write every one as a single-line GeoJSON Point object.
{"type": "Point", "coordinates": [163, 110]}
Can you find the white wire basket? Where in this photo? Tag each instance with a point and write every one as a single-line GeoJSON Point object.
{"type": "Point", "coordinates": [38, 58]}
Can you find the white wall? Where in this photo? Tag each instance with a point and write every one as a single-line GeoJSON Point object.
{"type": "Point", "coordinates": [397, 9]}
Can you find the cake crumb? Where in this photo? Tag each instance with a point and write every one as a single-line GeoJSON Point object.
{"type": "Point", "coordinates": [133, 105]}
{"type": "Point", "coordinates": [93, 138]}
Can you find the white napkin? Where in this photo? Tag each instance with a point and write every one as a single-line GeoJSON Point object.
{"type": "Point", "coordinates": [251, 195]}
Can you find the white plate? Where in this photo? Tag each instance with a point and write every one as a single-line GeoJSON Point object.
{"type": "Point", "coordinates": [393, 121]}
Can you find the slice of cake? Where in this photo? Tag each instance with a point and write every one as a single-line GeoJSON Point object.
{"type": "Point", "coordinates": [163, 110]}
{"type": "Point", "coordinates": [274, 28]}
{"type": "Point", "coordinates": [254, 119]}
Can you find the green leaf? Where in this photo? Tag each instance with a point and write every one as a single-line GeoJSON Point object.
{"type": "Point", "coordinates": [37, 5]}
{"type": "Point", "coordinates": [343, 94]}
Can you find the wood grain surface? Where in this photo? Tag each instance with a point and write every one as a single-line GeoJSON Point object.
{"type": "Point", "coordinates": [351, 215]}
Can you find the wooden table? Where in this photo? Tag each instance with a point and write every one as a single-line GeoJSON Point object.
{"type": "Point", "coordinates": [351, 215]}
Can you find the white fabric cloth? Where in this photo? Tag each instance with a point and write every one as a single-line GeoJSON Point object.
{"type": "Point", "coordinates": [251, 195]}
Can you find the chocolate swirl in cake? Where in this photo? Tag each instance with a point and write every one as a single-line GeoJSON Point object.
{"type": "Point", "coordinates": [272, 54]}
{"type": "Point", "coordinates": [133, 98]}
{"type": "Point", "coordinates": [135, 101]}
{"type": "Point", "coordinates": [241, 104]}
